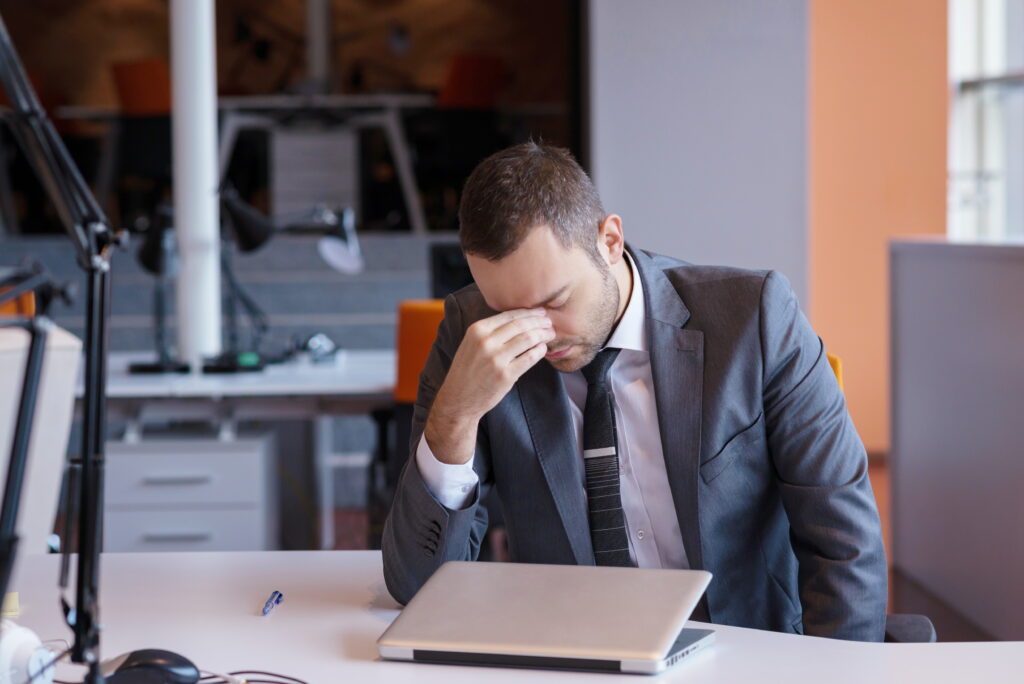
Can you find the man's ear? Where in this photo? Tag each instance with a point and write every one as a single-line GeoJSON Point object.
{"type": "Point", "coordinates": [610, 240]}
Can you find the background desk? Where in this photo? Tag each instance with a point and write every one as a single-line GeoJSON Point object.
{"type": "Point", "coordinates": [357, 381]}
{"type": "Point", "coordinates": [206, 606]}
{"type": "Point", "coordinates": [382, 111]}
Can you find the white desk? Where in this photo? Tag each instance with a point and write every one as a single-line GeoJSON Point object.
{"type": "Point", "coordinates": [356, 382]}
{"type": "Point", "coordinates": [206, 607]}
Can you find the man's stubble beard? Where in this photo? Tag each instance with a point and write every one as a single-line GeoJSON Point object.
{"type": "Point", "coordinates": [597, 333]}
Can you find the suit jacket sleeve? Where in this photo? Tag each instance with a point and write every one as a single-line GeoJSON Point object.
{"type": "Point", "coordinates": [420, 533]}
{"type": "Point", "coordinates": [822, 474]}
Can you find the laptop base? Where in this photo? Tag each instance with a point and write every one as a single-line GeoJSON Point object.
{"type": "Point", "coordinates": [688, 642]}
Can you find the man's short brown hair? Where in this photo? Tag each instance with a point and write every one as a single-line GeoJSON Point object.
{"type": "Point", "coordinates": [522, 187]}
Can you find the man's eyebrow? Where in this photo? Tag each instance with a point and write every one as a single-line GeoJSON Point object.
{"type": "Point", "coordinates": [550, 299]}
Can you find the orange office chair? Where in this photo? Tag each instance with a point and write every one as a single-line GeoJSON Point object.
{"type": "Point", "coordinates": [21, 307]}
{"type": "Point", "coordinates": [143, 86]}
{"type": "Point", "coordinates": [418, 320]}
{"type": "Point", "coordinates": [473, 81]}
{"type": "Point", "coordinates": [899, 627]}
{"type": "Point", "coordinates": [837, 368]}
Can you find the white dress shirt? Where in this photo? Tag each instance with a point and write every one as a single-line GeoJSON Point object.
{"type": "Point", "coordinates": [655, 540]}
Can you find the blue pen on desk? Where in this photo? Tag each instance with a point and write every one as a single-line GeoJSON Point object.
{"type": "Point", "coordinates": [274, 599]}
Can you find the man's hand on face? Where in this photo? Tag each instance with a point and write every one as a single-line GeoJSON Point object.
{"type": "Point", "coordinates": [493, 355]}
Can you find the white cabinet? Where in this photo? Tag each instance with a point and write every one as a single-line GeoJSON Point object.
{"type": "Point", "coordinates": [190, 494]}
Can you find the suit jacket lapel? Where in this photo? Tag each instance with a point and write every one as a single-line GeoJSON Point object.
{"type": "Point", "coordinates": [677, 364]}
{"type": "Point", "coordinates": [546, 406]}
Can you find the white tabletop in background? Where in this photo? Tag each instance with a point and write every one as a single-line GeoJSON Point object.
{"type": "Point", "coordinates": [327, 101]}
{"type": "Point", "coordinates": [206, 606]}
{"type": "Point", "coordinates": [277, 103]}
{"type": "Point", "coordinates": [351, 372]}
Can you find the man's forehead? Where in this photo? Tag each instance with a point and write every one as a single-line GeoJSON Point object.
{"type": "Point", "coordinates": [505, 286]}
{"type": "Point", "coordinates": [507, 295]}
{"type": "Point", "coordinates": [539, 269]}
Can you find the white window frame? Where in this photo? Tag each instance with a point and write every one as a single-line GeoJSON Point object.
{"type": "Point", "coordinates": [986, 132]}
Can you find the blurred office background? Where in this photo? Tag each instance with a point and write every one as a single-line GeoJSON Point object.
{"type": "Point", "coordinates": [868, 149]}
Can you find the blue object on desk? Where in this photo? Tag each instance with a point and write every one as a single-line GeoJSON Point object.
{"type": "Point", "coordinates": [274, 599]}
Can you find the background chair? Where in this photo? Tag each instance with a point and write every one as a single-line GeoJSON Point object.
{"type": "Point", "coordinates": [22, 307]}
{"type": "Point", "coordinates": [418, 320]}
{"type": "Point", "coordinates": [899, 627]}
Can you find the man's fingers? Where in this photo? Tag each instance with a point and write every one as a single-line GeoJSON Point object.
{"type": "Point", "coordinates": [510, 330]}
{"type": "Point", "coordinates": [528, 359]}
{"type": "Point", "coordinates": [524, 341]}
{"type": "Point", "coordinates": [486, 326]}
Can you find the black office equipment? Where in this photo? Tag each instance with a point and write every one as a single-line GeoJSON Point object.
{"type": "Point", "coordinates": [94, 241]}
{"type": "Point", "coordinates": [448, 269]}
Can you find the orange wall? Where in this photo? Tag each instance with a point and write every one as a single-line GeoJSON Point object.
{"type": "Point", "coordinates": [878, 99]}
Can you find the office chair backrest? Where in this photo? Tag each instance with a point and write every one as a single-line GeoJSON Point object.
{"type": "Point", "coordinates": [23, 306]}
{"type": "Point", "coordinates": [837, 368]}
{"type": "Point", "coordinates": [473, 81]}
{"type": "Point", "coordinates": [417, 327]}
{"type": "Point", "coordinates": [143, 87]}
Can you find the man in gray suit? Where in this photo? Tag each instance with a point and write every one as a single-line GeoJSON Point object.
{"type": "Point", "coordinates": [732, 443]}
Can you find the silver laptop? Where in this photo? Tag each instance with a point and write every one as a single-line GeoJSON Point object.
{"type": "Point", "coordinates": [550, 616]}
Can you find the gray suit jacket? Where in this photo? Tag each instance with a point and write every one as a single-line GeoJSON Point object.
{"type": "Point", "coordinates": [768, 475]}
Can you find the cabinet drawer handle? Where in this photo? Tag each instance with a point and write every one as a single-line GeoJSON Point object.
{"type": "Point", "coordinates": [176, 537]}
{"type": "Point", "coordinates": [176, 480]}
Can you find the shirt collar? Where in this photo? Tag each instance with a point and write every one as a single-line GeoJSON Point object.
{"type": "Point", "coordinates": [631, 331]}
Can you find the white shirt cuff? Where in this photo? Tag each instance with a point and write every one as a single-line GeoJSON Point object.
{"type": "Point", "coordinates": [453, 485]}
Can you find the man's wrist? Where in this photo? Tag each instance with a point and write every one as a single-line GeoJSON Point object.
{"type": "Point", "coordinates": [451, 437]}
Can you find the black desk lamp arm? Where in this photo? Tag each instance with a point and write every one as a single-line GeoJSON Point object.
{"type": "Point", "coordinates": [93, 239]}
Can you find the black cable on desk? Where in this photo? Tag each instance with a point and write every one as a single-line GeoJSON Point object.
{"type": "Point", "coordinates": [268, 674]}
{"type": "Point", "coordinates": [279, 678]}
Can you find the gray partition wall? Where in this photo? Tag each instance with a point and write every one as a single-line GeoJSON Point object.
{"type": "Point", "coordinates": [957, 456]}
{"type": "Point", "coordinates": [698, 128]}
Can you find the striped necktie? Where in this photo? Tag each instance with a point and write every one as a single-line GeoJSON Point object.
{"type": "Point", "coordinates": [601, 461]}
